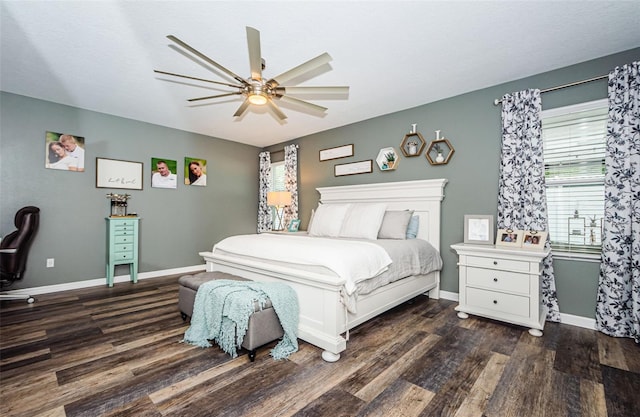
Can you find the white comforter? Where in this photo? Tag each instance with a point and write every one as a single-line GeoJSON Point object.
{"type": "Point", "coordinates": [364, 260]}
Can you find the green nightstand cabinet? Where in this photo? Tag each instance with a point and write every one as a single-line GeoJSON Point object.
{"type": "Point", "coordinates": [122, 246]}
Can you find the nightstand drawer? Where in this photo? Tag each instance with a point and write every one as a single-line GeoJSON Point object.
{"type": "Point", "coordinates": [498, 280]}
{"type": "Point", "coordinates": [500, 263]}
{"type": "Point", "coordinates": [505, 303]}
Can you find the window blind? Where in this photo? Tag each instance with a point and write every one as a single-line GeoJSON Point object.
{"type": "Point", "coordinates": [574, 141]}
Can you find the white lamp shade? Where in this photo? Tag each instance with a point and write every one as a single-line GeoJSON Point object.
{"type": "Point", "coordinates": [279, 198]}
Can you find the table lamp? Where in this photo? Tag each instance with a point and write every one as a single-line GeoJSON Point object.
{"type": "Point", "coordinates": [279, 199]}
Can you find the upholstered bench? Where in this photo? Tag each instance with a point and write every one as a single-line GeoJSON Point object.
{"type": "Point", "coordinates": [264, 325]}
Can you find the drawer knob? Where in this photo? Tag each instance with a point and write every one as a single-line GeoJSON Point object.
{"type": "Point", "coordinates": [495, 280]}
{"type": "Point", "coordinates": [495, 301]}
{"type": "Point", "coordinates": [495, 262]}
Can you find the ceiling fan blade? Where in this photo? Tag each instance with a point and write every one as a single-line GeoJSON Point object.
{"type": "Point", "coordinates": [243, 107]}
{"type": "Point", "coordinates": [216, 96]}
{"type": "Point", "coordinates": [276, 109]}
{"type": "Point", "coordinates": [255, 55]}
{"type": "Point", "coordinates": [207, 59]}
{"type": "Point", "coordinates": [302, 103]}
{"type": "Point", "coordinates": [300, 69]}
{"type": "Point", "coordinates": [313, 90]}
{"type": "Point", "coordinates": [198, 79]}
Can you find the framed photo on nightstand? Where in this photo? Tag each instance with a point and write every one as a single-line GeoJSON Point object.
{"type": "Point", "coordinates": [534, 240]}
{"type": "Point", "coordinates": [478, 229]}
{"type": "Point", "coordinates": [294, 225]}
{"type": "Point", "coordinates": [509, 237]}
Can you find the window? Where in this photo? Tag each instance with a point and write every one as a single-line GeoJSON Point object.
{"type": "Point", "coordinates": [574, 140]}
{"type": "Point", "coordinates": [277, 184]}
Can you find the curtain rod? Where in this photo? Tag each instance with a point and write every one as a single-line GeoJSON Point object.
{"type": "Point", "coordinates": [546, 90]}
{"type": "Point", "coordinates": [282, 150]}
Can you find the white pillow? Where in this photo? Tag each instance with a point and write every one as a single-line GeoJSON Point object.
{"type": "Point", "coordinates": [363, 221]}
{"type": "Point", "coordinates": [327, 220]}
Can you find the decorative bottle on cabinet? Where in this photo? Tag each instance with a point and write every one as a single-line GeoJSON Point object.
{"type": "Point", "coordinates": [122, 246]}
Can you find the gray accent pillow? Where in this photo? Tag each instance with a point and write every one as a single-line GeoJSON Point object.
{"type": "Point", "coordinates": [394, 224]}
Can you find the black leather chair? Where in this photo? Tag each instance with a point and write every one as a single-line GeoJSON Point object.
{"type": "Point", "coordinates": [14, 250]}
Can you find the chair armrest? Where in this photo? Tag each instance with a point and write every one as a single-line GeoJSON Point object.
{"type": "Point", "coordinates": [8, 250]}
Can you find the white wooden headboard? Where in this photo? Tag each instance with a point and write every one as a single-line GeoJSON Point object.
{"type": "Point", "coordinates": [422, 196]}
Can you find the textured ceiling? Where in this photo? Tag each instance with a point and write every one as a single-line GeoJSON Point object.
{"type": "Point", "coordinates": [394, 55]}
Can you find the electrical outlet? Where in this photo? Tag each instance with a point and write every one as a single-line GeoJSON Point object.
{"type": "Point", "coordinates": [50, 262]}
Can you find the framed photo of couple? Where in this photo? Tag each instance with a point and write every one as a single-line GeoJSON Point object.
{"type": "Point", "coordinates": [525, 239]}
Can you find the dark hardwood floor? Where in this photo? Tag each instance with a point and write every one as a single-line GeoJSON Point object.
{"type": "Point", "coordinates": [116, 352]}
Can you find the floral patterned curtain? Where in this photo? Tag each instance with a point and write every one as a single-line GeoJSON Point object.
{"type": "Point", "coordinates": [264, 211]}
{"type": "Point", "coordinates": [618, 303]}
{"type": "Point", "coordinates": [291, 182]}
{"type": "Point", "coordinates": [522, 202]}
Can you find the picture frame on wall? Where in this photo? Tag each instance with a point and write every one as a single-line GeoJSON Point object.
{"type": "Point", "coordinates": [353, 168]}
{"type": "Point", "coordinates": [164, 173]}
{"type": "Point", "coordinates": [509, 237]}
{"type": "Point", "coordinates": [195, 171]}
{"type": "Point", "coordinates": [336, 153]}
{"type": "Point", "coordinates": [64, 152]}
{"type": "Point", "coordinates": [478, 229]}
{"type": "Point", "coordinates": [115, 173]}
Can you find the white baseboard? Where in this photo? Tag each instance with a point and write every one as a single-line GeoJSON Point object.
{"type": "Point", "coordinates": [578, 321]}
{"type": "Point", "coordinates": [447, 295]}
{"type": "Point", "coordinates": [103, 281]}
{"type": "Point", "coordinates": [570, 319]}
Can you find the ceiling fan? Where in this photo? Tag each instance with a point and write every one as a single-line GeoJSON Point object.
{"type": "Point", "coordinates": [258, 91]}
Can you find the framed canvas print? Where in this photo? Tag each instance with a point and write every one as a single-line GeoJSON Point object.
{"type": "Point", "coordinates": [360, 167]}
{"type": "Point", "coordinates": [294, 225]}
{"type": "Point", "coordinates": [509, 237]}
{"type": "Point", "coordinates": [164, 173]}
{"type": "Point", "coordinates": [114, 173]}
{"type": "Point", "coordinates": [335, 153]}
{"type": "Point", "coordinates": [195, 171]}
{"type": "Point", "coordinates": [534, 240]}
{"type": "Point", "coordinates": [64, 152]}
{"type": "Point", "coordinates": [478, 229]}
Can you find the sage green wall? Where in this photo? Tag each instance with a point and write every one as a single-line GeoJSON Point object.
{"type": "Point", "coordinates": [175, 224]}
{"type": "Point", "coordinates": [472, 123]}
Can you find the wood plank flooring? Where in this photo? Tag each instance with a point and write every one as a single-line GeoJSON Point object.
{"type": "Point", "coordinates": [116, 352]}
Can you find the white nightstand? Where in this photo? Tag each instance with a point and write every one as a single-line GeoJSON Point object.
{"type": "Point", "coordinates": [501, 284]}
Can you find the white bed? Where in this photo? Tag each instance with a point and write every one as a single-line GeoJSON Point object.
{"type": "Point", "coordinates": [323, 317]}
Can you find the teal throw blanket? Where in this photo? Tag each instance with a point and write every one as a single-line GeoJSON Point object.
{"type": "Point", "coordinates": [222, 308]}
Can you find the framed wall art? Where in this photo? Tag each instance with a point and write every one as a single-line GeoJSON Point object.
{"type": "Point", "coordinates": [336, 153]}
{"type": "Point", "coordinates": [115, 173]}
{"type": "Point", "coordinates": [64, 152]}
{"type": "Point", "coordinates": [478, 229]}
{"type": "Point", "coordinates": [164, 173]}
{"type": "Point", "coordinates": [353, 168]}
{"type": "Point", "coordinates": [195, 171]}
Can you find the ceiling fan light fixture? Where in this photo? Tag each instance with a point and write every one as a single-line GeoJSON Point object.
{"type": "Point", "coordinates": [257, 99]}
